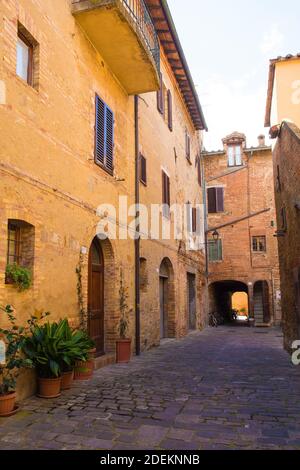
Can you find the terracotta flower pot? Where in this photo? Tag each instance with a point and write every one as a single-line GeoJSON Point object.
{"type": "Point", "coordinates": [49, 388]}
{"type": "Point", "coordinates": [84, 369]}
{"type": "Point", "coordinates": [7, 404]}
{"type": "Point", "coordinates": [66, 380]}
{"type": "Point", "coordinates": [123, 351]}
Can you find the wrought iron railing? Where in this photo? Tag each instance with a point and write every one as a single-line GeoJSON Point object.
{"type": "Point", "coordinates": [140, 14]}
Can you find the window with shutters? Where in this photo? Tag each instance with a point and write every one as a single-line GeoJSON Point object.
{"type": "Point", "coordinates": [187, 146]}
{"type": "Point", "coordinates": [199, 171]}
{"type": "Point", "coordinates": [259, 244]}
{"type": "Point", "coordinates": [234, 155]}
{"type": "Point", "coordinates": [170, 110]}
{"type": "Point", "coordinates": [215, 200]}
{"type": "Point", "coordinates": [143, 170]}
{"type": "Point", "coordinates": [161, 97]}
{"type": "Point", "coordinates": [104, 136]}
{"type": "Point", "coordinates": [215, 250]}
{"type": "Point", "coordinates": [166, 200]}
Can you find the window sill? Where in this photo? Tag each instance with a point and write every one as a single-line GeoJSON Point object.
{"type": "Point", "coordinates": [104, 168]}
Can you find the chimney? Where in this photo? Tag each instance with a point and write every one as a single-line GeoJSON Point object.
{"type": "Point", "coordinates": [261, 140]}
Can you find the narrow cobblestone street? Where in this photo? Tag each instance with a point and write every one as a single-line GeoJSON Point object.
{"type": "Point", "coordinates": [225, 388]}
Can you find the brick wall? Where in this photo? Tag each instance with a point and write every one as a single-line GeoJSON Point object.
{"type": "Point", "coordinates": [247, 189]}
{"type": "Point", "coordinates": [286, 178]}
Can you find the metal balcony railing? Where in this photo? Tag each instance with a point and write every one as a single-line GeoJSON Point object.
{"type": "Point", "coordinates": [140, 15]}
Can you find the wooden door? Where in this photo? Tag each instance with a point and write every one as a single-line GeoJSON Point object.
{"type": "Point", "coordinates": [96, 296]}
{"type": "Point", "coordinates": [163, 283]}
{"type": "Point", "coordinates": [192, 301]}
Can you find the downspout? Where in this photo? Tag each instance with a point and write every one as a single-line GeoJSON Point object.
{"type": "Point", "coordinates": [137, 237]}
{"type": "Point", "coordinates": [205, 222]}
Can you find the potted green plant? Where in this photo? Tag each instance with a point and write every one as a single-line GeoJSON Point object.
{"type": "Point", "coordinates": [84, 365]}
{"type": "Point", "coordinates": [76, 349]}
{"type": "Point", "coordinates": [12, 361]}
{"type": "Point", "coordinates": [45, 348]}
{"type": "Point", "coordinates": [123, 344]}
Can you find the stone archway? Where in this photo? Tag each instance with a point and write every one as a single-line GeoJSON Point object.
{"type": "Point", "coordinates": [221, 297]}
{"type": "Point", "coordinates": [167, 299]}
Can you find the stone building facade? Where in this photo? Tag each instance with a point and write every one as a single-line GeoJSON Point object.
{"type": "Point", "coordinates": [283, 119]}
{"type": "Point", "coordinates": [242, 251]}
{"type": "Point", "coordinates": [72, 138]}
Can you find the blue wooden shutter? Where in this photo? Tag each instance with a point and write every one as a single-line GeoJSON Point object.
{"type": "Point", "coordinates": [104, 135]}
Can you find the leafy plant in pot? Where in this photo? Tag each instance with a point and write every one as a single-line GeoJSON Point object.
{"type": "Point", "coordinates": [76, 349]}
{"type": "Point", "coordinates": [84, 364]}
{"type": "Point", "coordinates": [123, 344]}
{"type": "Point", "coordinates": [46, 349]}
{"type": "Point", "coordinates": [12, 361]}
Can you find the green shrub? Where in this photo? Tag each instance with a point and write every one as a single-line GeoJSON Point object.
{"type": "Point", "coordinates": [19, 276]}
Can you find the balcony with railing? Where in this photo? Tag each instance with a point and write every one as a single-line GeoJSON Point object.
{"type": "Point", "coordinates": [123, 33]}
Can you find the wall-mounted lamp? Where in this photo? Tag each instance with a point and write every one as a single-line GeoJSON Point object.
{"type": "Point", "coordinates": [216, 235]}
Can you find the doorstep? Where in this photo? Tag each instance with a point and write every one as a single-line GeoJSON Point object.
{"type": "Point", "coordinates": [104, 361]}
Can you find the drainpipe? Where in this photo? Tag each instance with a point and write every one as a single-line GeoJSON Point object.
{"type": "Point", "coordinates": [205, 223]}
{"type": "Point", "coordinates": [137, 238]}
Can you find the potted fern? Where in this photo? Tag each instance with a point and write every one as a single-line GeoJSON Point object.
{"type": "Point", "coordinates": [123, 344]}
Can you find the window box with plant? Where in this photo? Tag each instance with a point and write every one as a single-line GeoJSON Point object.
{"type": "Point", "coordinates": [19, 276]}
{"type": "Point", "coordinates": [12, 362]}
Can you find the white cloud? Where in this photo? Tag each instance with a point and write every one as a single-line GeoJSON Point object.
{"type": "Point", "coordinates": [228, 108]}
{"type": "Point", "coordinates": [272, 41]}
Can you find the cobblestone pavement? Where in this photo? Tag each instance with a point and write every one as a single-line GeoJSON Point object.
{"type": "Point", "coordinates": [225, 388]}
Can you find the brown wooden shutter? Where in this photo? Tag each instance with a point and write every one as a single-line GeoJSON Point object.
{"type": "Point", "coordinates": [143, 169]}
{"type": "Point", "coordinates": [187, 146]}
{"type": "Point", "coordinates": [160, 97]}
{"type": "Point", "coordinates": [199, 171]}
{"type": "Point", "coordinates": [220, 199]}
{"type": "Point", "coordinates": [170, 111]}
{"type": "Point", "coordinates": [194, 219]}
{"type": "Point", "coordinates": [211, 200]}
{"type": "Point", "coordinates": [165, 189]}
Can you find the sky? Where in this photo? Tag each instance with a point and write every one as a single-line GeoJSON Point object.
{"type": "Point", "coordinates": [228, 45]}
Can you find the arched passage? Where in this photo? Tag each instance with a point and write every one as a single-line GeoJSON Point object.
{"type": "Point", "coordinates": [167, 299]}
{"type": "Point", "coordinates": [261, 303]}
{"type": "Point", "coordinates": [221, 297]}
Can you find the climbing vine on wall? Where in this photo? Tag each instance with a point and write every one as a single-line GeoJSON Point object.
{"type": "Point", "coordinates": [83, 317]}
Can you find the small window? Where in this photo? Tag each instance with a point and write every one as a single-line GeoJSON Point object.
{"type": "Point", "coordinates": [187, 146]}
{"type": "Point", "coordinates": [234, 155]}
{"type": "Point", "coordinates": [26, 57]}
{"type": "Point", "coordinates": [13, 244]}
{"type": "Point", "coordinates": [20, 244]}
{"type": "Point", "coordinates": [143, 170]}
{"type": "Point", "coordinates": [259, 244]}
{"type": "Point", "coordinates": [104, 136]}
{"type": "Point", "coordinates": [215, 200]}
{"type": "Point", "coordinates": [215, 250]}
{"type": "Point", "coordinates": [166, 194]}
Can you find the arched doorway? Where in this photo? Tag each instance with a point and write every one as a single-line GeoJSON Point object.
{"type": "Point", "coordinates": [96, 296]}
{"type": "Point", "coordinates": [261, 303]}
{"type": "Point", "coordinates": [166, 300]}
